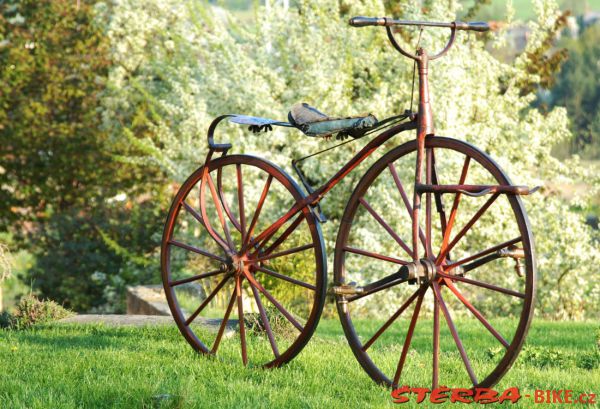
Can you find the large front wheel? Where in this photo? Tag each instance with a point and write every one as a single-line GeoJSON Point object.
{"type": "Point", "coordinates": [477, 271]}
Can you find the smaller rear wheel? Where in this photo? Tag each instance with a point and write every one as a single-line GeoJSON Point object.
{"type": "Point", "coordinates": [222, 283]}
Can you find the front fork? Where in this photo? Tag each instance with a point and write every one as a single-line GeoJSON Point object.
{"type": "Point", "coordinates": [417, 201]}
{"type": "Point", "coordinates": [425, 128]}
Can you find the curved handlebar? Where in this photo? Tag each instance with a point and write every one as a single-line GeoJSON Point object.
{"type": "Point", "coordinates": [361, 21]}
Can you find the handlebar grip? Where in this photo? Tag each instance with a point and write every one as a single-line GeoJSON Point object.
{"type": "Point", "coordinates": [478, 26]}
{"type": "Point", "coordinates": [361, 21]}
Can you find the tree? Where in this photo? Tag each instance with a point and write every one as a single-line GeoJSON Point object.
{"type": "Point", "coordinates": [52, 62]}
{"type": "Point", "coordinates": [189, 65]}
{"type": "Point", "coordinates": [578, 89]}
{"type": "Point", "coordinates": [57, 175]}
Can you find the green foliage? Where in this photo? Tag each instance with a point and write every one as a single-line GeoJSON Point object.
{"type": "Point", "coordinates": [524, 9]}
{"type": "Point", "coordinates": [31, 311]}
{"type": "Point", "coordinates": [5, 319]}
{"type": "Point", "coordinates": [78, 264]}
{"type": "Point", "coordinates": [53, 60]}
{"type": "Point", "coordinates": [543, 61]}
{"type": "Point", "coordinates": [474, 9]}
{"type": "Point", "coordinates": [58, 177]}
{"type": "Point", "coordinates": [578, 88]}
{"type": "Point", "coordinates": [542, 357]}
{"type": "Point", "coordinates": [280, 326]}
{"type": "Point", "coordinates": [183, 64]}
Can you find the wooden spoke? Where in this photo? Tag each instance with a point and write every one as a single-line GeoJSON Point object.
{"type": "Point", "coordinates": [240, 192]}
{"type": "Point", "coordinates": [383, 224]}
{"type": "Point", "coordinates": [483, 253]}
{"type": "Point", "coordinates": [450, 224]}
{"type": "Point", "coordinates": [226, 208]}
{"type": "Point", "coordinates": [203, 213]}
{"type": "Point", "coordinates": [436, 344]}
{"type": "Point", "coordinates": [193, 212]}
{"type": "Point", "coordinates": [284, 253]}
{"type": "Point", "coordinates": [224, 322]}
{"type": "Point", "coordinates": [241, 323]}
{"type": "Point", "coordinates": [195, 278]}
{"type": "Point", "coordinates": [391, 320]}
{"type": "Point", "coordinates": [259, 206]}
{"type": "Point", "coordinates": [273, 301]}
{"type": "Point", "coordinates": [286, 278]}
{"type": "Point", "coordinates": [409, 335]}
{"type": "Point", "coordinates": [374, 255]}
{"type": "Point", "coordinates": [480, 212]}
{"type": "Point", "coordinates": [404, 196]}
{"type": "Point", "coordinates": [206, 301]}
{"type": "Point", "coordinates": [218, 239]}
{"type": "Point", "coordinates": [219, 207]}
{"type": "Point", "coordinates": [270, 231]}
{"type": "Point", "coordinates": [457, 341]}
{"type": "Point", "coordinates": [289, 230]}
{"type": "Point", "coordinates": [482, 284]}
{"type": "Point", "coordinates": [196, 250]}
{"type": "Point", "coordinates": [265, 320]}
{"type": "Point", "coordinates": [476, 313]}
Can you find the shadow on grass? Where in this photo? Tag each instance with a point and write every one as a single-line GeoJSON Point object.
{"type": "Point", "coordinates": [96, 336]}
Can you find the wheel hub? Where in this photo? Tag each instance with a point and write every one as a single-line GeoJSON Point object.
{"type": "Point", "coordinates": [423, 270]}
{"type": "Point", "coordinates": [239, 265]}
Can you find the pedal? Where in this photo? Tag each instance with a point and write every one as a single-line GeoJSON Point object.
{"type": "Point", "coordinates": [516, 254]}
{"type": "Point", "coordinates": [512, 252]}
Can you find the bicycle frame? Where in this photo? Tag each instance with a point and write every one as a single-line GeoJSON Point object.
{"type": "Point", "coordinates": [315, 197]}
{"type": "Point", "coordinates": [421, 121]}
{"type": "Point", "coordinates": [248, 253]}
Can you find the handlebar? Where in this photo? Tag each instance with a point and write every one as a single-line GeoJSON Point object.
{"type": "Point", "coordinates": [361, 21]}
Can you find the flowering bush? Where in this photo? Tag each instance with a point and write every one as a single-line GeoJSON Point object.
{"type": "Point", "coordinates": [30, 311]}
{"type": "Point", "coordinates": [184, 63]}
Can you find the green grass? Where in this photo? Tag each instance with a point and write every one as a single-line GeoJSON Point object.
{"type": "Point", "coordinates": [69, 366]}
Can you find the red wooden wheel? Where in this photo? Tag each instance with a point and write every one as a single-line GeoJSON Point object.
{"type": "Point", "coordinates": [477, 257]}
{"type": "Point", "coordinates": [270, 294]}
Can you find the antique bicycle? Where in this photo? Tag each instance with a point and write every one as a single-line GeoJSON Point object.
{"type": "Point", "coordinates": [243, 249]}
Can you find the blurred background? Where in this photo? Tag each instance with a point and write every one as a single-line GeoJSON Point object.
{"type": "Point", "coordinates": [104, 108]}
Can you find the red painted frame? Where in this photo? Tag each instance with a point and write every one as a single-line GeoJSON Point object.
{"type": "Point", "coordinates": [421, 121]}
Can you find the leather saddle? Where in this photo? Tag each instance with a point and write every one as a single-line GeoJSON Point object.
{"type": "Point", "coordinates": [312, 122]}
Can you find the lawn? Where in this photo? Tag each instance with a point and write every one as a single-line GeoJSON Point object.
{"type": "Point", "coordinates": [69, 366]}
